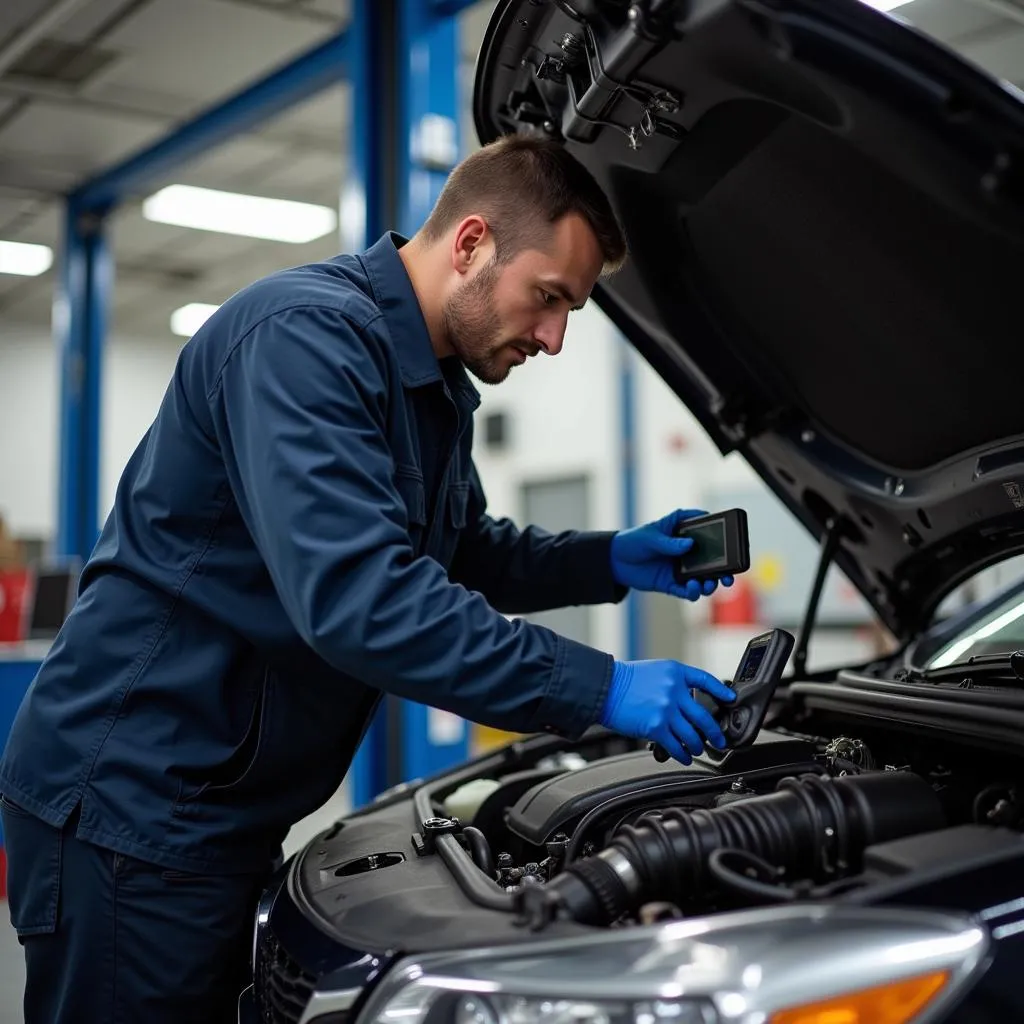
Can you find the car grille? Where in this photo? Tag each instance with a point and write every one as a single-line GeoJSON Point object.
{"type": "Point", "coordinates": [283, 988]}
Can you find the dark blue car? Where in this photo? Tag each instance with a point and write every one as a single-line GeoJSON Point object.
{"type": "Point", "coordinates": [825, 211]}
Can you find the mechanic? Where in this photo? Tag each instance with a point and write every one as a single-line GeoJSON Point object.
{"type": "Point", "coordinates": [301, 530]}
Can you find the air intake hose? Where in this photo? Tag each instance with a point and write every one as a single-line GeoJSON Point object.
{"type": "Point", "coordinates": [814, 827]}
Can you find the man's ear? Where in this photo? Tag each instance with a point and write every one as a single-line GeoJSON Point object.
{"type": "Point", "coordinates": [471, 243]}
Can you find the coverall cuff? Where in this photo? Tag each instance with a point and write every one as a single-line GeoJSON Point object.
{"type": "Point", "coordinates": [579, 687]}
{"type": "Point", "coordinates": [592, 566]}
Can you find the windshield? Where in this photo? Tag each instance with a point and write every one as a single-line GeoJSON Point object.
{"type": "Point", "coordinates": [1000, 630]}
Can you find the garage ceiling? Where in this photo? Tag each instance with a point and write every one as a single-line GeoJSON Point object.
{"type": "Point", "coordinates": [102, 78]}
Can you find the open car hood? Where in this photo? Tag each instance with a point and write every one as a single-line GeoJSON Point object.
{"type": "Point", "coordinates": [825, 212]}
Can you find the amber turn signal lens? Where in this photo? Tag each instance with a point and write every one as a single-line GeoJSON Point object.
{"type": "Point", "coordinates": [896, 1003]}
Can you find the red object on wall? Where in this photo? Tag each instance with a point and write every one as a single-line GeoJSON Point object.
{"type": "Point", "coordinates": [15, 590]}
{"type": "Point", "coordinates": [735, 605]}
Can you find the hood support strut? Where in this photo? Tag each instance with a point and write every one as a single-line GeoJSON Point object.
{"type": "Point", "coordinates": [830, 544]}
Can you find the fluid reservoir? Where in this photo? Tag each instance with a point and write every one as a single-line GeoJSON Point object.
{"type": "Point", "coordinates": [466, 800]}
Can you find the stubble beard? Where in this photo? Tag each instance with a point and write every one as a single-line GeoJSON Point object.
{"type": "Point", "coordinates": [470, 322]}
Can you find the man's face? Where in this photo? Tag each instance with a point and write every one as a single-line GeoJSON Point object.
{"type": "Point", "coordinates": [499, 316]}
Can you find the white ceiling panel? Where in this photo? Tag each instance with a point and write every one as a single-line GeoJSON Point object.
{"type": "Point", "coordinates": [12, 207]}
{"type": "Point", "coordinates": [169, 106]}
{"type": "Point", "coordinates": [313, 177]}
{"type": "Point", "coordinates": [45, 223]}
{"type": "Point", "coordinates": [83, 139]}
{"type": "Point", "coordinates": [205, 48]}
{"type": "Point", "coordinates": [230, 163]}
{"type": "Point", "coordinates": [949, 20]}
{"type": "Point", "coordinates": [472, 23]}
{"type": "Point", "coordinates": [38, 222]}
{"type": "Point", "coordinates": [49, 176]}
{"type": "Point", "coordinates": [340, 9]}
{"type": "Point", "coordinates": [325, 115]}
{"type": "Point", "coordinates": [16, 14]}
{"type": "Point", "coordinates": [87, 20]}
{"type": "Point", "coordinates": [1002, 56]}
{"type": "Point", "coordinates": [132, 236]}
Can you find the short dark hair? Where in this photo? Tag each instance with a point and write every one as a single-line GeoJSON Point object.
{"type": "Point", "coordinates": [524, 184]}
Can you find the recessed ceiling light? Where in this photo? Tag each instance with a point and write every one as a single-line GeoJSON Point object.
{"type": "Point", "coordinates": [886, 5]}
{"type": "Point", "coordinates": [187, 320]}
{"type": "Point", "coordinates": [278, 220]}
{"type": "Point", "coordinates": [25, 259]}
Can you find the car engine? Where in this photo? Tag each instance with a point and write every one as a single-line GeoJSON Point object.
{"type": "Point", "coordinates": [855, 792]}
{"type": "Point", "coordinates": [623, 839]}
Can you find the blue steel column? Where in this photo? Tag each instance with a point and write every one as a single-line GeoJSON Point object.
{"type": "Point", "coordinates": [80, 318]}
{"type": "Point", "coordinates": [366, 213]}
{"type": "Point", "coordinates": [404, 67]}
{"type": "Point", "coordinates": [428, 149]}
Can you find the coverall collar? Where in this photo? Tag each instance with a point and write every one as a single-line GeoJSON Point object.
{"type": "Point", "coordinates": [394, 294]}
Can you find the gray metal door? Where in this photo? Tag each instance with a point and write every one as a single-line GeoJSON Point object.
{"type": "Point", "coordinates": [555, 505]}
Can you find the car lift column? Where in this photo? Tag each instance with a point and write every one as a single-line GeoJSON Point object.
{"type": "Point", "coordinates": [79, 324]}
{"type": "Point", "coordinates": [404, 54]}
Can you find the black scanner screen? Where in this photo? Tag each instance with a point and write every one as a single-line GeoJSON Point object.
{"type": "Point", "coordinates": [708, 543]}
{"type": "Point", "coordinates": [751, 663]}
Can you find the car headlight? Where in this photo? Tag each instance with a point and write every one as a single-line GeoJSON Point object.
{"type": "Point", "coordinates": [804, 964]}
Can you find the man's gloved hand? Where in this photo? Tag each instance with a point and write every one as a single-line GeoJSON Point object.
{"type": "Point", "coordinates": [642, 558]}
{"type": "Point", "coordinates": [650, 700]}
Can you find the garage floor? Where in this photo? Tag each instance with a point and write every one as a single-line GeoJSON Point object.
{"type": "Point", "coordinates": [12, 965]}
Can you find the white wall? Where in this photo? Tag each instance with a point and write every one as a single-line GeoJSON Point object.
{"type": "Point", "coordinates": [563, 416]}
{"type": "Point", "coordinates": [135, 374]}
{"type": "Point", "coordinates": [681, 467]}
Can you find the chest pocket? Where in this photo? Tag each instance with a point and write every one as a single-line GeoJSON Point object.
{"type": "Point", "coordinates": [454, 522]}
{"type": "Point", "coordinates": [413, 492]}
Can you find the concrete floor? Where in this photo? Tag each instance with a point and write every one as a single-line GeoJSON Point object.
{"type": "Point", "coordinates": [12, 964]}
{"type": "Point", "coordinates": [12, 972]}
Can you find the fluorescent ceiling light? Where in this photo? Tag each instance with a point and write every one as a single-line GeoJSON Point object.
{"type": "Point", "coordinates": [187, 320]}
{"type": "Point", "coordinates": [279, 220]}
{"type": "Point", "coordinates": [25, 259]}
{"type": "Point", "coordinates": [886, 5]}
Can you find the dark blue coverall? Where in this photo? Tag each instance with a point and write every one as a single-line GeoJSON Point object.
{"type": "Point", "coordinates": [259, 581]}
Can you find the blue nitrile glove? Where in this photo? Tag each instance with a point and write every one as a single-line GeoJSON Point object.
{"type": "Point", "coordinates": [642, 558]}
{"type": "Point", "coordinates": [651, 700]}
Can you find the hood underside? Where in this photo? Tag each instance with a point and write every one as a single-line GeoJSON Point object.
{"type": "Point", "coordinates": [825, 212]}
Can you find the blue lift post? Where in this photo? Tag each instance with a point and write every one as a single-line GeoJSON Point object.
{"type": "Point", "coordinates": [405, 55]}
{"type": "Point", "coordinates": [80, 315]}
{"type": "Point", "coordinates": [432, 740]}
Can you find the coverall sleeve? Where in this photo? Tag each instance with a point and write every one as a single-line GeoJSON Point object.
{"type": "Point", "coordinates": [300, 408]}
{"type": "Point", "coordinates": [531, 570]}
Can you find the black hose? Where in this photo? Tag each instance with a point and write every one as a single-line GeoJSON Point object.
{"type": "Point", "coordinates": [480, 851]}
{"type": "Point", "coordinates": [684, 787]}
{"type": "Point", "coordinates": [483, 892]}
{"type": "Point", "coordinates": [812, 828]}
{"type": "Point", "coordinates": [753, 888]}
